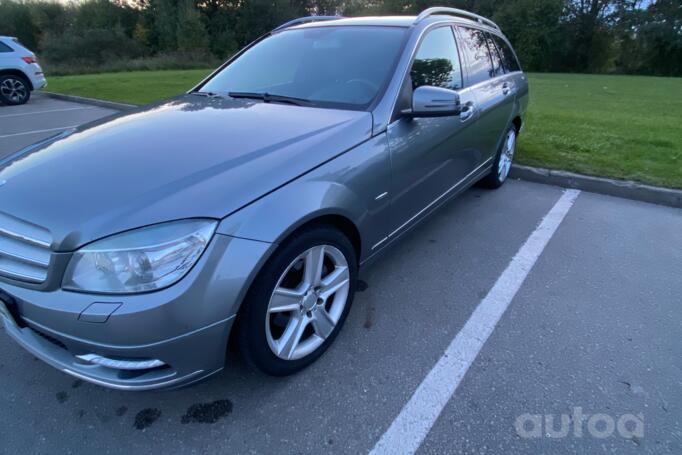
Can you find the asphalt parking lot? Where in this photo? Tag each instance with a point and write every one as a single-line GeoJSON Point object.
{"type": "Point", "coordinates": [589, 343]}
{"type": "Point", "coordinates": [41, 118]}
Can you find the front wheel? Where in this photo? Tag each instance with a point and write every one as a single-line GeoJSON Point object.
{"type": "Point", "coordinates": [298, 303]}
{"type": "Point", "coordinates": [503, 161]}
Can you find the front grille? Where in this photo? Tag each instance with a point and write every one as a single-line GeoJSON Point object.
{"type": "Point", "coordinates": [24, 250]}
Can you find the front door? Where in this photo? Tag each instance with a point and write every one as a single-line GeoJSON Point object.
{"type": "Point", "coordinates": [429, 156]}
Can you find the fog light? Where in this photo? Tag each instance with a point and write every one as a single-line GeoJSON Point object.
{"type": "Point", "coordinates": [121, 364]}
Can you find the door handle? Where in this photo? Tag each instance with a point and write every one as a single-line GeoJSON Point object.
{"type": "Point", "coordinates": [467, 111]}
{"type": "Point", "coordinates": [506, 88]}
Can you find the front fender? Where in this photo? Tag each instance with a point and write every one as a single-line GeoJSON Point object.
{"type": "Point", "coordinates": [346, 186]}
{"type": "Point", "coordinates": [274, 217]}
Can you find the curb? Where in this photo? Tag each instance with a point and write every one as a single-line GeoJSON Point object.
{"type": "Point", "coordinates": [611, 187]}
{"type": "Point", "coordinates": [91, 101]}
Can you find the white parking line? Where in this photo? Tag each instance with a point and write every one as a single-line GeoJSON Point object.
{"type": "Point", "coordinates": [48, 111]}
{"type": "Point", "coordinates": [38, 131]}
{"type": "Point", "coordinates": [412, 425]}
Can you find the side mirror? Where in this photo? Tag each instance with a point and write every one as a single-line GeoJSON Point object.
{"type": "Point", "coordinates": [428, 101]}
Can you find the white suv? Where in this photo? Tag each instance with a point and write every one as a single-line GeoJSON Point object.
{"type": "Point", "coordinates": [19, 72]}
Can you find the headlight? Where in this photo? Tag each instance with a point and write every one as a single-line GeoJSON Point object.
{"type": "Point", "coordinates": [140, 260]}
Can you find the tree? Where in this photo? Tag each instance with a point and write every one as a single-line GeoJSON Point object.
{"type": "Point", "coordinates": [660, 38]}
{"type": "Point", "coordinates": [588, 38]}
{"type": "Point", "coordinates": [533, 27]}
{"type": "Point", "coordinates": [16, 20]}
{"type": "Point", "coordinates": [625, 36]}
{"type": "Point", "coordinates": [191, 33]}
{"type": "Point", "coordinates": [165, 20]}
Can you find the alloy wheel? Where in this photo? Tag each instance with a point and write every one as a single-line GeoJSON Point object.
{"type": "Point", "coordinates": [507, 156]}
{"type": "Point", "coordinates": [307, 302]}
{"type": "Point", "coordinates": [13, 89]}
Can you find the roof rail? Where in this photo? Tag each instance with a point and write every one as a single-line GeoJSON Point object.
{"type": "Point", "coordinates": [305, 20]}
{"type": "Point", "coordinates": [455, 12]}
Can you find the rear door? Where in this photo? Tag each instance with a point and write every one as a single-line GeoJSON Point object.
{"type": "Point", "coordinates": [492, 89]}
{"type": "Point", "coordinates": [514, 76]}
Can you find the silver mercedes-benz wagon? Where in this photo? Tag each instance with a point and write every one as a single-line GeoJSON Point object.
{"type": "Point", "coordinates": [134, 249]}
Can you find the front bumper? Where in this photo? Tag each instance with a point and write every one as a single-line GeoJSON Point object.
{"type": "Point", "coordinates": [186, 326]}
{"type": "Point", "coordinates": [49, 347]}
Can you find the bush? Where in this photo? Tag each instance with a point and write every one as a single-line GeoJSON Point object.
{"type": "Point", "coordinates": [165, 61]}
{"type": "Point", "coordinates": [94, 47]}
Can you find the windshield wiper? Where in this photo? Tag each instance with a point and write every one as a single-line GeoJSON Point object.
{"type": "Point", "coordinates": [269, 97]}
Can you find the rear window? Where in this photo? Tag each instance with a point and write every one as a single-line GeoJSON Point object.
{"type": "Point", "coordinates": [508, 58]}
{"type": "Point", "coordinates": [475, 46]}
{"type": "Point", "coordinates": [5, 48]}
{"type": "Point", "coordinates": [498, 67]}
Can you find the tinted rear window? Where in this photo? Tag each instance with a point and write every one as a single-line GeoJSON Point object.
{"type": "Point", "coordinates": [475, 46]}
{"type": "Point", "coordinates": [508, 57]}
{"type": "Point", "coordinates": [498, 67]}
{"type": "Point", "coordinates": [5, 48]}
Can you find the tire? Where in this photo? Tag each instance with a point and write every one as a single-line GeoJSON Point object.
{"type": "Point", "coordinates": [284, 301]}
{"type": "Point", "coordinates": [14, 90]}
{"type": "Point", "coordinates": [503, 161]}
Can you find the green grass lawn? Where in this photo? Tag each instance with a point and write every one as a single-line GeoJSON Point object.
{"type": "Point", "coordinates": [139, 87]}
{"type": "Point", "coordinates": [627, 127]}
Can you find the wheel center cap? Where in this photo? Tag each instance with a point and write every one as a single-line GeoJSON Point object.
{"type": "Point", "coordinates": [309, 301]}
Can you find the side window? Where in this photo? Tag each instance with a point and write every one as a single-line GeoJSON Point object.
{"type": "Point", "coordinates": [437, 61]}
{"type": "Point", "coordinates": [5, 48]}
{"type": "Point", "coordinates": [498, 68]}
{"type": "Point", "coordinates": [508, 57]}
{"type": "Point", "coordinates": [474, 45]}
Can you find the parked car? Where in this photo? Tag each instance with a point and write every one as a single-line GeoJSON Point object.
{"type": "Point", "coordinates": [20, 72]}
{"type": "Point", "coordinates": [135, 249]}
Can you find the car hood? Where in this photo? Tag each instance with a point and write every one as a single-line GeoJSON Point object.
{"type": "Point", "coordinates": [191, 156]}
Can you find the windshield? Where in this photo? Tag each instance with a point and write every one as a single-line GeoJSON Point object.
{"type": "Point", "coordinates": [344, 66]}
